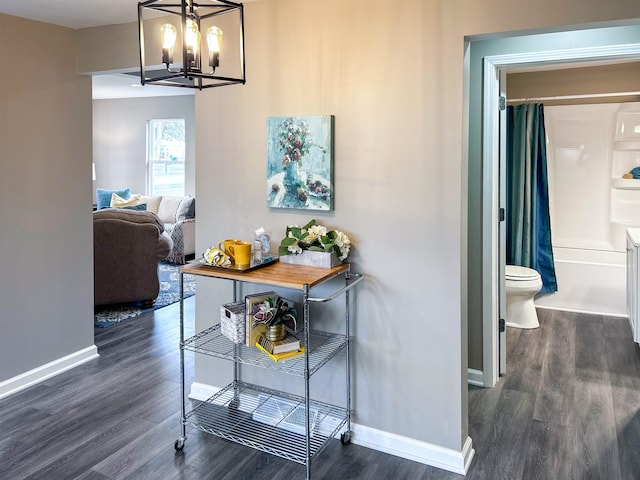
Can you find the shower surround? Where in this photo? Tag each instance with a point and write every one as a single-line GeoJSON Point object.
{"type": "Point", "coordinates": [589, 149]}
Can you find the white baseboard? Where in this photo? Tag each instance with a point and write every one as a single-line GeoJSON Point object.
{"type": "Point", "coordinates": [48, 370]}
{"type": "Point", "coordinates": [415, 450]}
{"type": "Point", "coordinates": [575, 310]}
{"type": "Point", "coordinates": [400, 446]}
{"type": "Point", "coordinates": [475, 377]}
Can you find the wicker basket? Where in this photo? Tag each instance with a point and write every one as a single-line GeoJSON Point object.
{"type": "Point", "coordinates": [233, 321]}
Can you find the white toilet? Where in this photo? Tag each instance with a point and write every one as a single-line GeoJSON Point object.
{"type": "Point", "coordinates": [521, 285]}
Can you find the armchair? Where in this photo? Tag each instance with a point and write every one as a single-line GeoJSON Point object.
{"type": "Point", "coordinates": [178, 215]}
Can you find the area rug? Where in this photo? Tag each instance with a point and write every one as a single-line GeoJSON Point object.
{"type": "Point", "coordinates": [169, 275]}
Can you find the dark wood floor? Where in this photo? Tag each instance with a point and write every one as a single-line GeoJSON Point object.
{"type": "Point", "coordinates": [568, 409]}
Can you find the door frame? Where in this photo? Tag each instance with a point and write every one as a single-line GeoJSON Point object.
{"type": "Point", "coordinates": [492, 282]}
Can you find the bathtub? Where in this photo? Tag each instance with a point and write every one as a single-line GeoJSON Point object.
{"type": "Point", "coordinates": [589, 281]}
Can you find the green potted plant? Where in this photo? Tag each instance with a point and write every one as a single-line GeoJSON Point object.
{"type": "Point", "coordinates": [276, 315]}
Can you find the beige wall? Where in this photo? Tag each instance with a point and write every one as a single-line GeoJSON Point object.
{"type": "Point", "coordinates": [495, 16]}
{"type": "Point", "coordinates": [397, 190]}
{"type": "Point", "coordinates": [46, 248]}
{"type": "Point", "coordinates": [392, 74]}
{"type": "Point", "coordinates": [111, 48]}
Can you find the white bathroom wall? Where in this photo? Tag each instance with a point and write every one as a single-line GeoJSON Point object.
{"type": "Point", "coordinates": [589, 148]}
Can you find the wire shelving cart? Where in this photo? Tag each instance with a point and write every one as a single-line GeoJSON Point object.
{"type": "Point", "coordinates": [294, 427]}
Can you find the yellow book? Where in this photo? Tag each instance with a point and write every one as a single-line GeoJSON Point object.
{"type": "Point", "coordinates": [281, 357]}
{"type": "Point", "coordinates": [288, 344]}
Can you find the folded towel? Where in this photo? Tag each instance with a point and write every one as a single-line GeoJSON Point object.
{"type": "Point", "coordinates": [214, 256]}
{"type": "Point", "coordinates": [635, 172]}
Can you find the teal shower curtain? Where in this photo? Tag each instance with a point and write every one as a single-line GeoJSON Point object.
{"type": "Point", "coordinates": [527, 216]}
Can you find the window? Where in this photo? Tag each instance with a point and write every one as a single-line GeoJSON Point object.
{"type": "Point", "coordinates": [165, 157]}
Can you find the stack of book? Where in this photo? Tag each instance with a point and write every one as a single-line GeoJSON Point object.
{"type": "Point", "coordinates": [255, 336]}
{"type": "Point", "coordinates": [253, 330]}
{"type": "Point", "coordinates": [281, 350]}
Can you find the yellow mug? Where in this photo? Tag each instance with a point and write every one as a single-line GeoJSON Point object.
{"type": "Point", "coordinates": [240, 252]}
{"type": "Point", "coordinates": [225, 244]}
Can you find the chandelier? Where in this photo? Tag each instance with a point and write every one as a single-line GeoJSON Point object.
{"type": "Point", "coordinates": [181, 43]}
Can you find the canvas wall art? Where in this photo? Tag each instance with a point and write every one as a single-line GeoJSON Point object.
{"type": "Point", "coordinates": [300, 162]}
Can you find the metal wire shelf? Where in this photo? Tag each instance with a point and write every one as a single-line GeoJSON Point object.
{"type": "Point", "coordinates": [322, 347]}
{"type": "Point", "coordinates": [267, 420]}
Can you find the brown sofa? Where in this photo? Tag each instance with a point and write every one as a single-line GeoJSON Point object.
{"type": "Point", "coordinates": [127, 246]}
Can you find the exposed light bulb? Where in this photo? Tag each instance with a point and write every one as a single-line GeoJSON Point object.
{"type": "Point", "coordinates": [214, 42]}
{"type": "Point", "coordinates": [192, 41]}
{"type": "Point", "coordinates": [168, 33]}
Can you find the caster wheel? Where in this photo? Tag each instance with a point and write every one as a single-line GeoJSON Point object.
{"type": "Point", "coordinates": [345, 438]}
{"type": "Point", "coordinates": [179, 445]}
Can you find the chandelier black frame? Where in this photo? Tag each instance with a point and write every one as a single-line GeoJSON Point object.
{"type": "Point", "coordinates": [190, 72]}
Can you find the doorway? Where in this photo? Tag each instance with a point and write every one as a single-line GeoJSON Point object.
{"type": "Point", "coordinates": [495, 69]}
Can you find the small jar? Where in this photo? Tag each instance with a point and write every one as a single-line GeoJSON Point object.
{"type": "Point", "coordinates": [275, 332]}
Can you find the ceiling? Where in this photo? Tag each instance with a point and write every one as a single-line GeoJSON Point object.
{"type": "Point", "coordinates": [92, 13]}
{"type": "Point", "coordinates": [73, 13]}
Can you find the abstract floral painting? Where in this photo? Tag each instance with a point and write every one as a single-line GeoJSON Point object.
{"type": "Point", "coordinates": [300, 162]}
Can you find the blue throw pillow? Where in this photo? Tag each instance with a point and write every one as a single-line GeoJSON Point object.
{"type": "Point", "coordinates": [103, 196]}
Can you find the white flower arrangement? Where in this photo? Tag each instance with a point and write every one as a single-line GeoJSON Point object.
{"type": "Point", "coordinates": [316, 238]}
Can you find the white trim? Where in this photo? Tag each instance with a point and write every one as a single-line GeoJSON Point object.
{"type": "Point", "coordinates": [490, 231]}
{"type": "Point", "coordinates": [493, 65]}
{"type": "Point", "coordinates": [391, 443]}
{"type": "Point", "coordinates": [588, 312]}
{"type": "Point", "coordinates": [415, 450]}
{"type": "Point", "coordinates": [46, 371]}
{"type": "Point", "coordinates": [574, 55]}
{"type": "Point", "coordinates": [475, 377]}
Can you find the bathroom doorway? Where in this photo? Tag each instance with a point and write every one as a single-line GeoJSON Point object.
{"type": "Point", "coordinates": [495, 70]}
